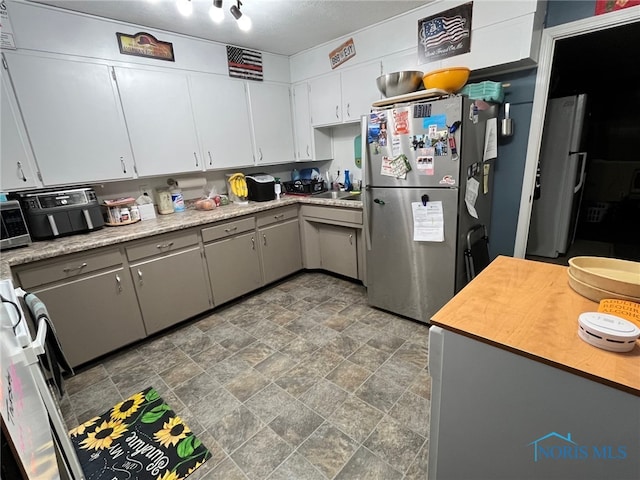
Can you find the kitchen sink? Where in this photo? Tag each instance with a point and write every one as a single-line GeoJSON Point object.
{"type": "Point", "coordinates": [338, 195]}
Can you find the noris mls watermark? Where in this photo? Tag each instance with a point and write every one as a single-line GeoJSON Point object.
{"type": "Point", "coordinates": [554, 447]}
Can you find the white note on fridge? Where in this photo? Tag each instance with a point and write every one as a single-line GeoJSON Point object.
{"type": "Point", "coordinates": [428, 222]}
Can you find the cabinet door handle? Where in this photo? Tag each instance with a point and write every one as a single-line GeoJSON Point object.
{"type": "Point", "coordinates": [71, 269]}
{"type": "Point", "coordinates": [140, 276]}
{"type": "Point", "coordinates": [210, 158]}
{"type": "Point", "coordinates": [337, 111]}
{"type": "Point", "coordinates": [348, 110]}
{"type": "Point", "coordinates": [21, 174]}
{"type": "Point", "coordinates": [196, 157]}
{"type": "Point", "coordinates": [119, 283]}
{"type": "Point", "coordinates": [253, 243]}
{"type": "Point", "coordinates": [260, 152]}
{"type": "Point", "coordinates": [264, 239]}
{"type": "Point", "coordinates": [351, 239]}
{"type": "Point", "coordinates": [164, 245]}
{"type": "Point", "coordinates": [123, 165]}
{"type": "Point", "coordinates": [279, 216]}
{"type": "Point", "coordinates": [308, 154]}
{"type": "Point", "coordinates": [231, 229]}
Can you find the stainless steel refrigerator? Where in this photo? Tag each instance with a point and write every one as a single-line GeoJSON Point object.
{"type": "Point", "coordinates": [561, 166]}
{"type": "Point", "coordinates": [421, 160]}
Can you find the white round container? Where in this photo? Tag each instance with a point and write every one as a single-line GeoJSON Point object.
{"type": "Point", "coordinates": [124, 214]}
{"type": "Point", "coordinates": [607, 331]}
{"type": "Point", "coordinates": [135, 213]}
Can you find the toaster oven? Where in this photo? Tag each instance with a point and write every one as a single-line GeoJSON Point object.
{"type": "Point", "coordinates": [14, 226]}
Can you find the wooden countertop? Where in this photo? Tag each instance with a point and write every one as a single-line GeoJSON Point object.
{"type": "Point", "coordinates": [528, 308]}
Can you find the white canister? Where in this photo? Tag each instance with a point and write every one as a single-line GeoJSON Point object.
{"type": "Point", "coordinates": [135, 213]}
{"type": "Point", "coordinates": [124, 214]}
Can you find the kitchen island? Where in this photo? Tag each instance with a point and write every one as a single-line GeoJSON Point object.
{"type": "Point", "coordinates": [517, 394]}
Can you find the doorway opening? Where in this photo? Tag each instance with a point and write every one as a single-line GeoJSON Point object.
{"type": "Point", "coordinates": [591, 57]}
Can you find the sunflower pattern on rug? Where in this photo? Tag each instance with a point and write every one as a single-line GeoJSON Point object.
{"type": "Point", "coordinates": [140, 438]}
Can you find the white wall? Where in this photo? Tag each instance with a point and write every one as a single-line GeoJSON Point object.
{"type": "Point", "coordinates": [399, 36]}
{"type": "Point", "coordinates": [41, 28]}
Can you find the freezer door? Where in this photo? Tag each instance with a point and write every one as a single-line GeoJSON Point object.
{"type": "Point", "coordinates": [409, 278]}
{"type": "Point", "coordinates": [420, 132]}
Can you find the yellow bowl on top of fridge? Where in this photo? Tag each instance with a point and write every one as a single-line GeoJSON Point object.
{"type": "Point", "coordinates": [450, 79]}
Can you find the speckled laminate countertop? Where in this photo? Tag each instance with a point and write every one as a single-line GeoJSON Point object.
{"type": "Point", "coordinates": [106, 236]}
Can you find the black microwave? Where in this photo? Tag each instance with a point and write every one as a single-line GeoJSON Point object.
{"type": "Point", "coordinates": [14, 227]}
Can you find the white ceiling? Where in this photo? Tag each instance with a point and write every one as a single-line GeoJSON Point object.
{"type": "Point", "coordinates": [279, 26]}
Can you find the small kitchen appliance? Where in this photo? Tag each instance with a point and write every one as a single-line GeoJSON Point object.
{"type": "Point", "coordinates": [608, 332]}
{"type": "Point", "coordinates": [14, 226]}
{"type": "Point", "coordinates": [56, 213]}
{"type": "Point", "coordinates": [261, 187]}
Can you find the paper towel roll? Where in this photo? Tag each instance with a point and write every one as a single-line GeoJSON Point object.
{"type": "Point", "coordinates": [191, 182]}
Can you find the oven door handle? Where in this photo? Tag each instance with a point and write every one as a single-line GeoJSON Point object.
{"type": "Point", "coordinates": [53, 225]}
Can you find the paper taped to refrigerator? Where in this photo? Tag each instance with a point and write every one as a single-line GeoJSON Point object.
{"type": "Point", "coordinates": [471, 195]}
{"type": "Point", "coordinates": [491, 139]}
{"type": "Point", "coordinates": [428, 222]}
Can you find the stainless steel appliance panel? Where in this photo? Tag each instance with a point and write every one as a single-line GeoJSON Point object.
{"type": "Point", "coordinates": [562, 164]}
{"type": "Point", "coordinates": [413, 279]}
{"type": "Point", "coordinates": [13, 225]}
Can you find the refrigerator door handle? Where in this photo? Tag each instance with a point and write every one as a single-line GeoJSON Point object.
{"type": "Point", "coordinates": [365, 153]}
{"type": "Point", "coordinates": [582, 158]}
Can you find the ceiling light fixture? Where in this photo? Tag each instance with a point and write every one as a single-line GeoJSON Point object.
{"type": "Point", "coordinates": [185, 7]}
{"type": "Point", "coordinates": [244, 22]}
{"type": "Point", "coordinates": [215, 11]}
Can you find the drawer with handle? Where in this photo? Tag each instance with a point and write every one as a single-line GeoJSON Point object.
{"type": "Point", "coordinates": [162, 244]}
{"type": "Point", "coordinates": [69, 266]}
{"type": "Point", "coordinates": [228, 229]}
{"type": "Point", "coordinates": [277, 215]}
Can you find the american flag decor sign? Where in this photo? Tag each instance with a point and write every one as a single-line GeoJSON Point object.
{"type": "Point", "coordinates": [244, 63]}
{"type": "Point", "coordinates": [445, 35]}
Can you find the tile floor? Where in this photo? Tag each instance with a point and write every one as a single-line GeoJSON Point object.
{"type": "Point", "coordinates": [299, 381]}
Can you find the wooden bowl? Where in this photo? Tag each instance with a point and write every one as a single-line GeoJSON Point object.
{"type": "Point", "coordinates": [594, 293]}
{"type": "Point", "coordinates": [608, 274]}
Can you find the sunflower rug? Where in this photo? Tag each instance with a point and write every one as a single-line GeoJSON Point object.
{"type": "Point", "coordinates": [140, 438]}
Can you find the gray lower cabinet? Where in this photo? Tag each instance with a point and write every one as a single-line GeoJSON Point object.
{"type": "Point", "coordinates": [91, 302]}
{"type": "Point", "coordinates": [232, 257]}
{"type": "Point", "coordinates": [338, 251]}
{"type": "Point", "coordinates": [170, 281]}
{"type": "Point", "coordinates": [333, 240]}
{"type": "Point", "coordinates": [280, 250]}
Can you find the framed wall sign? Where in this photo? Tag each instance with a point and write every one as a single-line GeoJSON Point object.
{"type": "Point", "coordinates": [145, 45]}
{"type": "Point", "coordinates": [343, 53]}
{"type": "Point", "coordinates": [445, 35]}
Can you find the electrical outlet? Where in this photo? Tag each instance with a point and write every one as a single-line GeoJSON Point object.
{"type": "Point", "coordinates": [144, 189]}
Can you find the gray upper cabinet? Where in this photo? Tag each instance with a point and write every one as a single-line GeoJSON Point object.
{"type": "Point", "coordinates": [18, 165]}
{"type": "Point", "coordinates": [159, 118]}
{"type": "Point", "coordinates": [73, 118]}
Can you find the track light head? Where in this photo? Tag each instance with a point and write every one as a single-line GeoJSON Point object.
{"type": "Point", "coordinates": [244, 22]}
{"type": "Point", "coordinates": [215, 11]}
